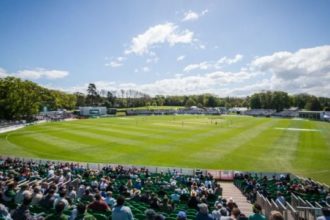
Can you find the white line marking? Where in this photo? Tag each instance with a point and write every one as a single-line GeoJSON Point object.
{"type": "Point", "coordinates": [297, 129]}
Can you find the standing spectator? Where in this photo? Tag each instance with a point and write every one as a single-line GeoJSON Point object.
{"type": "Point", "coordinates": [257, 213]}
{"type": "Point", "coordinates": [121, 212]}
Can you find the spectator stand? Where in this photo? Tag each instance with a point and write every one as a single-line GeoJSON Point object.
{"type": "Point", "coordinates": [293, 206]}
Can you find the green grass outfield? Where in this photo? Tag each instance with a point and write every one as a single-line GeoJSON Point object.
{"type": "Point", "coordinates": [213, 142]}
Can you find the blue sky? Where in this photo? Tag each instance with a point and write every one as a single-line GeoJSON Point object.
{"type": "Point", "coordinates": [231, 47]}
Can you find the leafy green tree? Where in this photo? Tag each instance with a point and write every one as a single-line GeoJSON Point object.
{"type": "Point", "coordinates": [93, 97]}
{"type": "Point", "coordinates": [313, 104]}
{"type": "Point", "coordinates": [255, 102]}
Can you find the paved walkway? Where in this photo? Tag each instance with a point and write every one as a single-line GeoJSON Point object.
{"type": "Point", "coordinates": [230, 190]}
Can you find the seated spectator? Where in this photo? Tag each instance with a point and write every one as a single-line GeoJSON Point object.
{"type": "Point", "coordinates": [36, 196]}
{"type": "Point", "coordinates": [120, 211]}
{"type": "Point", "coordinates": [79, 213]}
{"type": "Point", "coordinates": [175, 197]}
{"type": "Point", "coordinates": [47, 201]}
{"type": "Point", "coordinates": [280, 198]}
{"type": "Point", "coordinates": [150, 214]}
{"type": "Point", "coordinates": [4, 213]}
{"type": "Point", "coordinates": [193, 201]}
{"type": "Point", "coordinates": [9, 195]}
{"type": "Point", "coordinates": [62, 198]}
{"type": "Point", "coordinates": [203, 213]}
{"type": "Point", "coordinates": [87, 197]}
{"type": "Point", "coordinates": [110, 200]}
{"type": "Point", "coordinates": [275, 215]}
{"type": "Point", "coordinates": [58, 215]}
{"type": "Point", "coordinates": [99, 204]}
{"type": "Point", "coordinates": [71, 194]}
{"type": "Point", "coordinates": [257, 213]}
{"type": "Point", "coordinates": [181, 215]}
{"type": "Point", "coordinates": [23, 212]}
{"type": "Point", "coordinates": [154, 201]}
{"type": "Point", "coordinates": [235, 214]}
{"type": "Point", "coordinates": [24, 189]}
{"type": "Point", "coordinates": [159, 216]}
{"type": "Point", "coordinates": [216, 212]}
{"type": "Point", "coordinates": [231, 205]}
{"type": "Point", "coordinates": [224, 214]}
{"type": "Point", "coordinates": [326, 214]}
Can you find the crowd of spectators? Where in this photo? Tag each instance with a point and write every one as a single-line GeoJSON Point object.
{"type": "Point", "coordinates": [49, 190]}
{"type": "Point", "coordinates": [280, 188]}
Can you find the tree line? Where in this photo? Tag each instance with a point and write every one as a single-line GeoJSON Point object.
{"type": "Point", "coordinates": [22, 99]}
{"type": "Point", "coordinates": [278, 100]}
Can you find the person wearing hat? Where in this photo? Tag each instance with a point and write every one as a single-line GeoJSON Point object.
{"type": "Point", "coordinates": [257, 213]}
{"type": "Point", "coordinates": [181, 215]}
{"type": "Point", "coordinates": [216, 212]}
{"type": "Point", "coordinates": [203, 213]}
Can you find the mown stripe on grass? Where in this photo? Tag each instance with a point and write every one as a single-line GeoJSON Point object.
{"type": "Point", "coordinates": [225, 153]}
{"type": "Point", "coordinates": [203, 154]}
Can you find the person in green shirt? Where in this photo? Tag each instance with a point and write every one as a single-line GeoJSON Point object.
{"type": "Point", "coordinates": [257, 213]}
{"type": "Point", "coordinates": [58, 215]}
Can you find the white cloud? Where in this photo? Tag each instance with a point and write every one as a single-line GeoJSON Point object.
{"type": "Point", "coordinates": [159, 34]}
{"type": "Point", "coordinates": [306, 70]}
{"type": "Point", "coordinates": [121, 59]}
{"type": "Point", "coordinates": [145, 69]}
{"type": "Point", "coordinates": [178, 84]}
{"type": "Point", "coordinates": [303, 71]}
{"type": "Point", "coordinates": [3, 73]}
{"type": "Point", "coordinates": [204, 12]}
{"type": "Point", "coordinates": [153, 59]}
{"type": "Point", "coordinates": [115, 62]}
{"type": "Point", "coordinates": [226, 60]}
{"type": "Point", "coordinates": [42, 73]}
{"type": "Point", "coordinates": [180, 58]}
{"type": "Point", "coordinates": [213, 64]}
{"type": "Point", "coordinates": [192, 16]}
{"type": "Point", "coordinates": [201, 66]}
{"type": "Point", "coordinates": [37, 73]}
